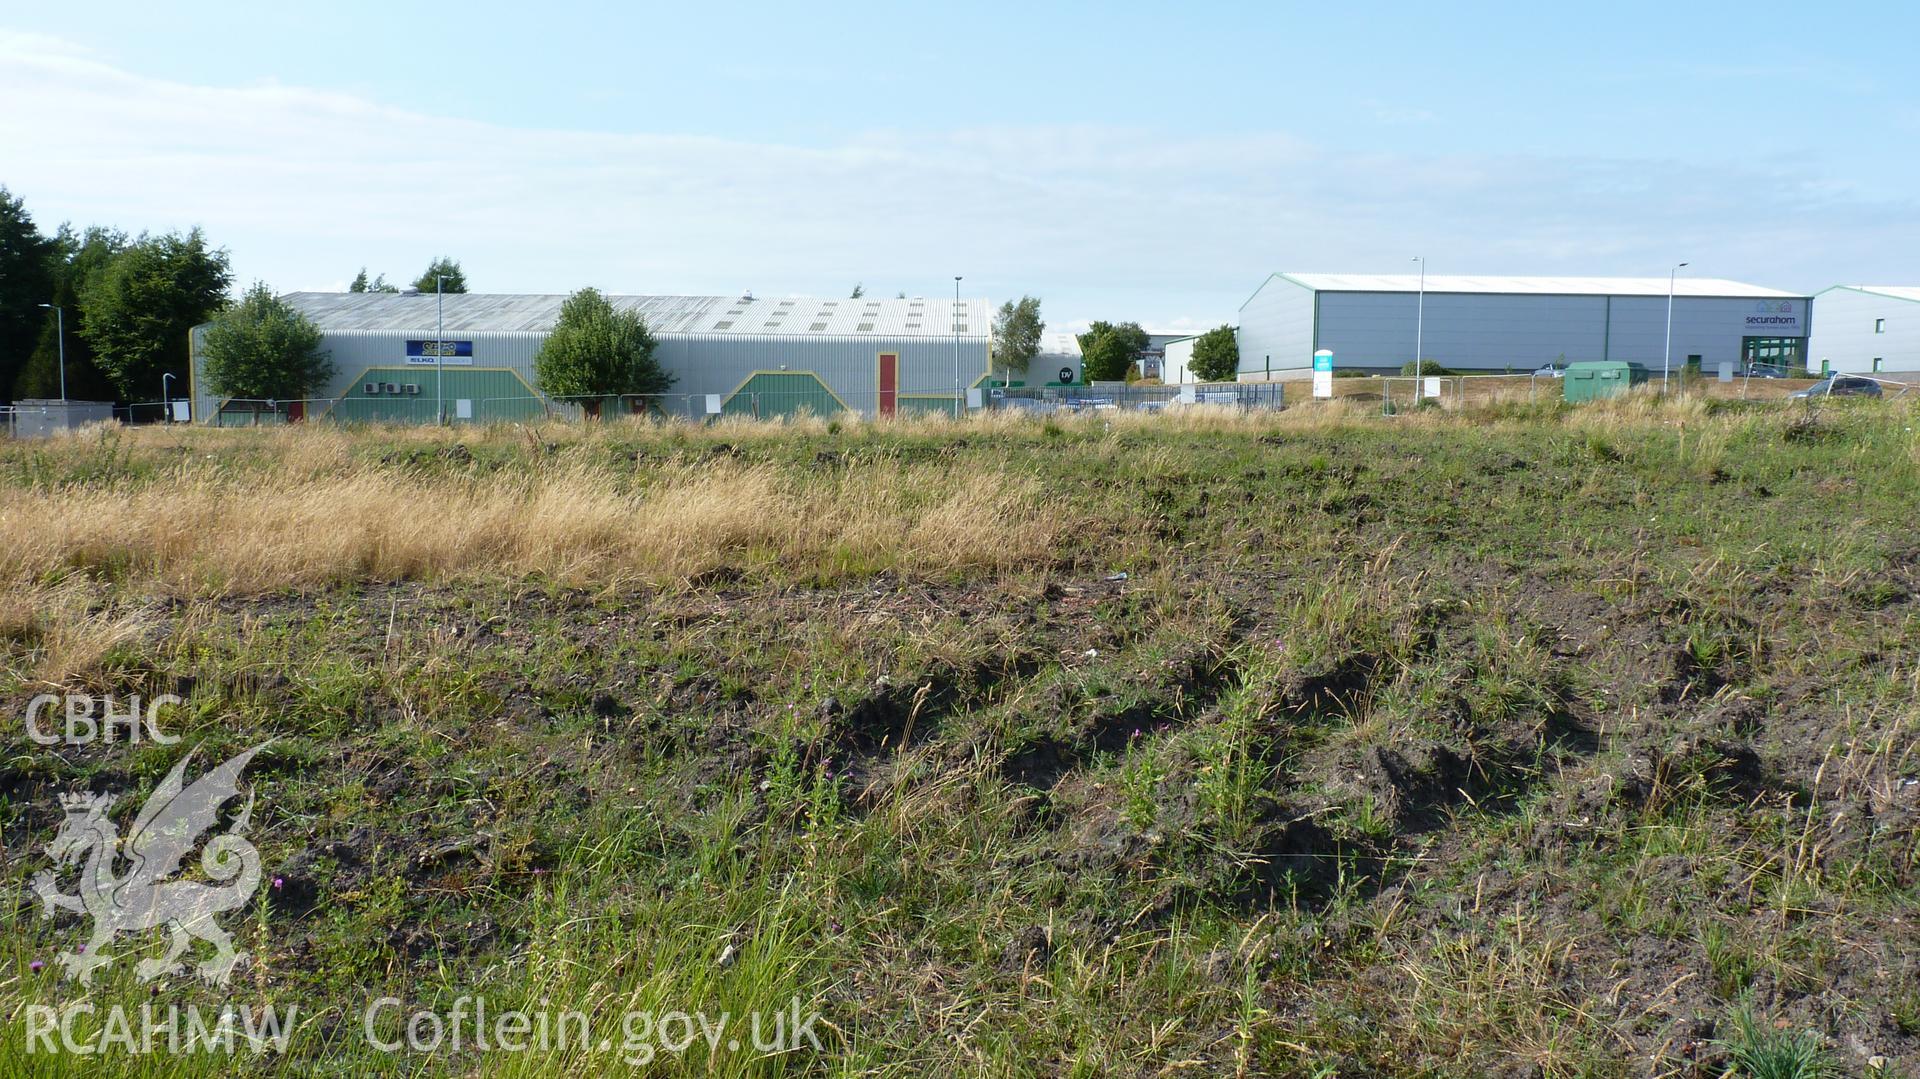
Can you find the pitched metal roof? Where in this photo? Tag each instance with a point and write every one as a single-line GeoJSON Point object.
{"type": "Point", "coordinates": [1058, 344]}
{"type": "Point", "coordinates": [1539, 286]}
{"type": "Point", "coordinates": [1898, 292]}
{"type": "Point", "coordinates": [797, 316]}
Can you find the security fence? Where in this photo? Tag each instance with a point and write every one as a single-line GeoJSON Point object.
{"type": "Point", "coordinates": [523, 408]}
{"type": "Point", "coordinates": [1137, 397]}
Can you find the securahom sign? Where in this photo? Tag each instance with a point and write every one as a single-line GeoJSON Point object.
{"type": "Point", "coordinates": [1776, 318]}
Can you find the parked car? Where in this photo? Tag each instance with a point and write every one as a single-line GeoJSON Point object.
{"type": "Point", "coordinates": [1761, 370]}
{"type": "Point", "coordinates": [1840, 386]}
{"type": "Point", "coordinates": [1552, 370]}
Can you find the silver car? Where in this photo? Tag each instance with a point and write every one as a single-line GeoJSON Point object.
{"type": "Point", "coordinates": [1839, 386]}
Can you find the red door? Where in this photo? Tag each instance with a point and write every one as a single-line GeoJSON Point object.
{"type": "Point", "coordinates": [889, 382]}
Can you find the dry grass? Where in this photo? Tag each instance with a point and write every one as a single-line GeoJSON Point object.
{"type": "Point", "coordinates": [198, 511]}
{"type": "Point", "coordinates": [310, 521]}
{"type": "Point", "coordinates": [64, 633]}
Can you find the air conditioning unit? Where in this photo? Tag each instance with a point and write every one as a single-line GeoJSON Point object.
{"type": "Point", "coordinates": [391, 387]}
{"type": "Point", "coordinates": [371, 389]}
{"type": "Point", "coordinates": [412, 389]}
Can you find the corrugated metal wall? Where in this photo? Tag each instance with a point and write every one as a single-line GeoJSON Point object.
{"type": "Point", "coordinates": [1179, 355]}
{"type": "Point", "coordinates": [721, 363]}
{"type": "Point", "coordinates": [1496, 332]}
{"type": "Point", "coordinates": [701, 363]}
{"type": "Point", "coordinates": [1276, 329]}
{"type": "Point", "coordinates": [1845, 335]}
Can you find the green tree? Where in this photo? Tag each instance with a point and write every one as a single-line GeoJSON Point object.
{"type": "Point", "coordinates": [26, 282]}
{"type": "Point", "coordinates": [77, 259]}
{"type": "Point", "coordinates": [262, 348]}
{"type": "Point", "coordinates": [596, 350]}
{"type": "Point", "coordinates": [378, 284]}
{"type": "Point", "coordinates": [1016, 333]}
{"type": "Point", "coordinates": [136, 312]}
{"type": "Point", "coordinates": [456, 280]}
{"type": "Point", "coordinates": [1216, 355]}
{"type": "Point", "coordinates": [1108, 350]}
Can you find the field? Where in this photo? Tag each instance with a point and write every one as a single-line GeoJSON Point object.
{"type": "Point", "coordinates": [1502, 740]}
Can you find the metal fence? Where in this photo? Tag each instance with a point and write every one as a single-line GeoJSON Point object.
{"type": "Point", "coordinates": [522, 408]}
{"type": "Point", "coordinates": [702, 408]}
{"type": "Point", "coordinates": [1138, 397]}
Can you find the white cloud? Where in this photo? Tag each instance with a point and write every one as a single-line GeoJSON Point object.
{"type": "Point", "coordinates": [1171, 229]}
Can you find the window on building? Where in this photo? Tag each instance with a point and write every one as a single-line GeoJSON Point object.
{"type": "Point", "coordinates": [1876, 363]}
{"type": "Point", "coordinates": [1879, 325]}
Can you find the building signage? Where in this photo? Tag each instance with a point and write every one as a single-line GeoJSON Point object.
{"type": "Point", "coordinates": [1323, 373]}
{"type": "Point", "coordinates": [446, 353]}
{"type": "Point", "coordinates": [1775, 318]}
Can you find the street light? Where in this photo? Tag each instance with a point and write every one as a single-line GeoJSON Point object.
{"type": "Point", "coordinates": [1666, 363]}
{"type": "Point", "coordinates": [60, 332]}
{"type": "Point", "coordinates": [439, 347]}
{"type": "Point", "coordinates": [166, 400]}
{"type": "Point", "coordinates": [959, 405]}
{"type": "Point", "coordinates": [1420, 316]}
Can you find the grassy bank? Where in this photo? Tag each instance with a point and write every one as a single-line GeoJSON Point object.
{"type": "Point", "coordinates": [1510, 740]}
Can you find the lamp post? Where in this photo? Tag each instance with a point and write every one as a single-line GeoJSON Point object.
{"type": "Point", "coordinates": [60, 333]}
{"type": "Point", "coordinates": [439, 347]}
{"type": "Point", "coordinates": [1666, 362]}
{"type": "Point", "coordinates": [166, 399]}
{"type": "Point", "coordinates": [1420, 316]}
{"type": "Point", "coordinates": [959, 402]}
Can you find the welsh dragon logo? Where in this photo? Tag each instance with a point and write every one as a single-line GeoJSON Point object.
{"type": "Point", "coordinates": [168, 827]}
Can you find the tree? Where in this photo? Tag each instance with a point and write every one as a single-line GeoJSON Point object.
{"type": "Point", "coordinates": [26, 282]}
{"type": "Point", "coordinates": [456, 281]}
{"type": "Point", "coordinates": [598, 351]}
{"type": "Point", "coordinates": [1108, 350]}
{"type": "Point", "coordinates": [1216, 356]}
{"type": "Point", "coordinates": [859, 290]}
{"type": "Point", "coordinates": [263, 348]}
{"type": "Point", "coordinates": [77, 259]}
{"type": "Point", "coordinates": [378, 284]}
{"type": "Point", "coordinates": [1016, 333]}
{"type": "Point", "coordinates": [137, 311]}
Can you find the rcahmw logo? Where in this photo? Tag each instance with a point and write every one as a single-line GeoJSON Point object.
{"type": "Point", "coordinates": [170, 824]}
{"type": "Point", "coordinates": [166, 830]}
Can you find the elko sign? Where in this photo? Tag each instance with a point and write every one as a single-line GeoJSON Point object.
{"type": "Point", "coordinates": [1776, 318]}
{"type": "Point", "coordinates": [448, 353]}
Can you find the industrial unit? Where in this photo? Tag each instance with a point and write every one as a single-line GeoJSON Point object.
{"type": "Point", "coordinates": [1057, 363]}
{"type": "Point", "coordinates": [1867, 329]}
{"type": "Point", "coordinates": [1179, 360]}
{"type": "Point", "coordinates": [395, 358]}
{"type": "Point", "coordinates": [1378, 322]}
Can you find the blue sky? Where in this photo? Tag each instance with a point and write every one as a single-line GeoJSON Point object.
{"type": "Point", "coordinates": [1119, 160]}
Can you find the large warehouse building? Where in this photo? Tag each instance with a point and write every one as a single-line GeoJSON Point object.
{"type": "Point", "coordinates": [1866, 329]}
{"type": "Point", "coordinates": [394, 359]}
{"type": "Point", "coordinates": [1373, 321]}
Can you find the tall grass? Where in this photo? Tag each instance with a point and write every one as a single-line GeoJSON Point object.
{"type": "Point", "coordinates": [303, 524]}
